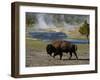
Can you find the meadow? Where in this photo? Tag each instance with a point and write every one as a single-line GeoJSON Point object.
{"type": "Point", "coordinates": [36, 55]}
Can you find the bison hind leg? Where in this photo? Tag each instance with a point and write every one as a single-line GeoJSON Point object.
{"type": "Point", "coordinates": [75, 55]}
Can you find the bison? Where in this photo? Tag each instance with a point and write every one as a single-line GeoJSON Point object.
{"type": "Point", "coordinates": [59, 46]}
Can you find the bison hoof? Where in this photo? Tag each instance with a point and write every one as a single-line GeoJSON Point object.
{"type": "Point", "coordinates": [76, 58]}
{"type": "Point", "coordinates": [69, 58]}
{"type": "Point", "coordinates": [53, 56]}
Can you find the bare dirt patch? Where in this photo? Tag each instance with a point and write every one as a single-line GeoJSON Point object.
{"type": "Point", "coordinates": [36, 58]}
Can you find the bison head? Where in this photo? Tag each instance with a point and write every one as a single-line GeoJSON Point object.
{"type": "Point", "coordinates": [50, 49]}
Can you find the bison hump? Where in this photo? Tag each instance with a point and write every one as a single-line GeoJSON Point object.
{"type": "Point", "coordinates": [60, 43]}
{"type": "Point", "coordinates": [65, 44]}
{"type": "Point", "coordinates": [57, 43]}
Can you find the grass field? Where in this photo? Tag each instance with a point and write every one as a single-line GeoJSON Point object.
{"type": "Point", "coordinates": [36, 53]}
{"type": "Point", "coordinates": [35, 44]}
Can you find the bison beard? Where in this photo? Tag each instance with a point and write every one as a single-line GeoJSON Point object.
{"type": "Point", "coordinates": [59, 46]}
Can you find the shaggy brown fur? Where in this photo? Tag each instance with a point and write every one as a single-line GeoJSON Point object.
{"type": "Point", "coordinates": [59, 46]}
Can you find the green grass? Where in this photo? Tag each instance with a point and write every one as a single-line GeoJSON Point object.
{"type": "Point", "coordinates": [83, 48]}
{"type": "Point", "coordinates": [35, 44]}
{"type": "Point", "coordinates": [39, 45]}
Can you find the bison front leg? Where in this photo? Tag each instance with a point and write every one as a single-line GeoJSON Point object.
{"type": "Point", "coordinates": [70, 55]}
{"type": "Point", "coordinates": [58, 53]}
{"type": "Point", "coordinates": [54, 55]}
{"type": "Point", "coordinates": [61, 54]}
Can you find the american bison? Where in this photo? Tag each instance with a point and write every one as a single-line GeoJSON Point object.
{"type": "Point", "coordinates": [59, 46]}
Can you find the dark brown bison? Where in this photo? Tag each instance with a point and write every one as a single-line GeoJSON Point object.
{"type": "Point", "coordinates": [59, 46]}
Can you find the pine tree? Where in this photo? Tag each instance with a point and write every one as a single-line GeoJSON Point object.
{"type": "Point", "coordinates": [84, 29]}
